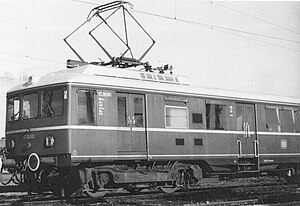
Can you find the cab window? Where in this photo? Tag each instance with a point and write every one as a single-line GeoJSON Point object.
{"type": "Point", "coordinates": [30, 106]}
{"type": "Point", "coordinates": [13, 109]}
{"type": "Point", "coordinates": [52, 103]}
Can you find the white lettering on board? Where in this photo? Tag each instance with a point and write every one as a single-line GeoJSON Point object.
{"type": "Point", "coordinates": [104, 94]}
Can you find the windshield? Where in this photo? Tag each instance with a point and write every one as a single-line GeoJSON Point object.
{"type": "Point", "coordinates": [13, 112]}
{"type": "Point", "coordinates": [52, 103]}
{"type": "Point", "coordinates": [30, 106]}
{"type": "Point", "coordinates": [37, 104]}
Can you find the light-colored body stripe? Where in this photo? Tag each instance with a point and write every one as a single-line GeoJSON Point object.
{"type": "Point", "coordinates": [195, 155]}
{"type": "Point", "coordinates": [148, 129]}
{"type": "Point", "coordinates": [279, 133]}
{"type": "Point", "coordinates": [110, 128]}
{"type": "Point", "coordinates": [280, 154]}
{"type": "Point", "coordinates": [223, 155]}
{"type": "Point", "coordinates": [109, 156]}
{"type": "Point", "coordinates": [38, 129]}
{"type": "Point", "coordinates": [154, 156]}
{"type": "Point", "coordinates": [181, 155]}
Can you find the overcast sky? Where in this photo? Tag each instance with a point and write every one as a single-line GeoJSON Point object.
{"type": "Point", "coordinates": [244, 46]}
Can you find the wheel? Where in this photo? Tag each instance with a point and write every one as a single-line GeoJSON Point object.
{"type": "Point", "coordinates": [63, 183]}
{"type": "Point", "coordinates": [97, 194]}
{"type": "Point", "coordinates": [168, 190]}
{"type": "Point", "coordinates": [89, 191]}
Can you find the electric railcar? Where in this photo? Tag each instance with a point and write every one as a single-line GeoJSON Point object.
{"type": "Point", "coordinates": [98, 128]}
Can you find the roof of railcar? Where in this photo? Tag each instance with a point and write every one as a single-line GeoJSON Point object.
{"type": "Point", "coordinates": [117, 78]}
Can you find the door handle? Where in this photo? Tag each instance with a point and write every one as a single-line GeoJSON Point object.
{"type": "Point", "coordinates": [244, 128]}
{"type": "Point", "coordinates": [248, 129]}
{"type": "Point", "coordinates": [256, 148]}
{"type": "Point", "coordinates": [240, 148]}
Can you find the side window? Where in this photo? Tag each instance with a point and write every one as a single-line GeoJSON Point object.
{"type": "Point", "coordinates": [297, 120]}
{"type": "Point", "coordinates": [30, 106]}
{"type": "Point", "coordinates": [215, 117]}
{"type": "Point", "coordinates": [122, 111]}
{"type": "Point", "coordinates": [239, 117]}
{"type": "Point", "coordinates": [286, 120]}
{"type": "Point", "coordinates": [86, 107]}
{"type": "Point", "coordinates": [138, 111]}
{"type": "Point", "coordinates": [52, 104]}
{"type": "Point", "coordinates": [272, 120]}
{"type": "Point", "coordinates": [176, 117]}
{"type": "Point", "coordinates": [13, 109]}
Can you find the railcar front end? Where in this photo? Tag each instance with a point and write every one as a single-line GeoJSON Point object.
{"type": "Point", "coordinates": [37, 132]}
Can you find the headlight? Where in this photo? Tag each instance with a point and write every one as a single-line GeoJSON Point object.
{"type": "Point", "coordinates": [49, 141]}
{"type": "Point", "coordinates": [11, 144]}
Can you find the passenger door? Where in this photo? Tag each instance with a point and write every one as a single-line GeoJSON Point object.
{"type": "Point", "coordinates": [246, 123]}
{"type": "Point", "coordinates": [131, 123]}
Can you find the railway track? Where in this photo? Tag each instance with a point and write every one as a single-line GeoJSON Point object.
{"type": "Point", "coordinates": [234, 194]}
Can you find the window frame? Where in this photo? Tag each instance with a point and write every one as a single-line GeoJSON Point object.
{"type": "Point", "coordinates": [176, 107]}
{"type": "Point", "coordinates": [9, 118]}
{"type": "Point", "coordinates": [222, 104]}
{"type": "Point", "coordinates": [94, 122]}
{"type": "Point", "coordinates": [125, 109]}
{"type": "Point", "coordinates": [278, 110]}
{"type": "Point", "coordinates": [62, 101]}
{"type": "Point", "coordinates": [38, 105]}
{"type": "Point", "coordinates": [283, 124]}
{"type": "Point", "coordinates": [134, 110]}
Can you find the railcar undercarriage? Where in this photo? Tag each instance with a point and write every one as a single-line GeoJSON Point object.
{"type": "Point", "coordinates": [99, 179]}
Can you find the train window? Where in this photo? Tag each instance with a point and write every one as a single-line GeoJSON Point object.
{"type": "Point", "coordinates": [176, 117]}
{"type": "Point", "coordinates": [286, 120]}
{"type": "Point", "coordinates": [272, 120]}
{"type": "Point", "coordinates": [239, 117]}
{"type": "Point", "coordinates": [52, 103]}
{"type": "Point", "coordinates": [13, 111]}
{"type": "Point", "coordinates": [86, 107]}
{"type": "Point", "coordinates": [297, 120]}
{"type": "Point", "coordinates": [215, 117]}
{"type": "Point", "coordinates": [138, 112]}
{"type": "Point", "coordinates": [30, 106]}
{"type": "Point", "coordinates": [122, 112]}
